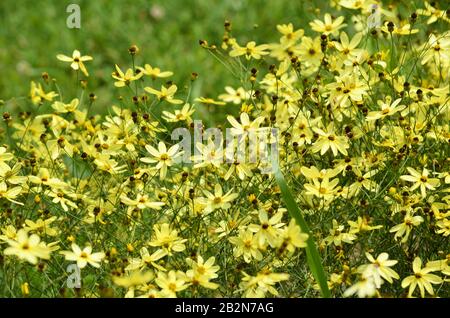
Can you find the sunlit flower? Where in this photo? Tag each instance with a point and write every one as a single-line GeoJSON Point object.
{"type": "Point", "coordinates": [76, 61]}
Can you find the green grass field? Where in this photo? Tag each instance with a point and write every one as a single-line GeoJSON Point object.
{"type": "Point", "coordinates": [167, 33]}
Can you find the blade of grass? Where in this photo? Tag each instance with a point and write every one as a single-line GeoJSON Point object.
{"type": "Point", "coordinates": [312, 254]}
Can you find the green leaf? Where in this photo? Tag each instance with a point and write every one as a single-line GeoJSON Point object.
{"type": "Point", "coordinates": [312, 254]}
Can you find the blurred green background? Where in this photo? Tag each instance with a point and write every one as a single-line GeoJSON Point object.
{"type": "Point", "coordinates": [167, 33]}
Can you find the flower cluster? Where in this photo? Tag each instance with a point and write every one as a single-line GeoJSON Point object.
{"type": "Point", "coordinates": [363, 114]}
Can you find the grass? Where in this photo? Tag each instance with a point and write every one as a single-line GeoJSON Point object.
{"type": "Point", "coordinates": [31, 34]}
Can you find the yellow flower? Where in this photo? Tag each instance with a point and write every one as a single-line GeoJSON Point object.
{"type": "Point", "coordinates": [135, 278]}
{"type": "Point", "coordinates": [268, 230]}
{"type": "Point", "coordinates": [362, 225]}
{"type": "Point", "coordinates": [347, 47]}
{"type": "Point", "coordinates": [166, 94]}
{"type": "Point", "coordinates": [179, 115]}
{"type": "Point", "coordinates": [289, 35]}
{"type": "Point", "coordinates": [235, 96]}
{"type": "Point", "coordinates": [338, 236]}
{"type": "Point", "coordinates": [105, 163]}
{"type": "Point", "coordinates": [251, 50]}
{"type": "Point", "coordinates": [210, 154]}
{"type": "Point", "coordinates": [29, 248]}
{"type": "Point", "coordinates": [325, 188]}
{"type": "Point", "coordinates": [261, 284]}
{"type": "Point", "coordinates": [209, 101]}
{"type": "Point", "coordinates": [437, 50]}
{"type": "Point", "coordinates": [60, 107]}
{"type": "Point", "coordinates": [293, 237]}
{"type": "Point", "coordinates": [421, 180]}
{"type": "Point", "coordinates": [328, 26]}
{"type": "Point", "coordinates": [146, 259]}
{"type": "Point", "coordinates": [141, 202]}
{"type": "Point", "coordinates": [218, 200]}
{"type": "Point", "coordinates": [329, 140]}
{"type": "Point", "coordinates": [245, 126]}
{"type": "Point", "coordinates": [433, 13]}
{"type": "Point", "coordinates": [379, 269]}
{"type": "Point", "coordinates": [202, 272]}
{"type": "Point", "coordinates": [310, 51]}
{"type": "Point", "coordinates": [167, 238]}
{"type": "Point", "coordinates": [387, 109]}
{"type": "Point", "coordinates": [403, 29]}
{"type": "Point", "coordinates": [404, 229]}
{"type": "Point", "coordinates": [41, 226]}
{"type": "Point", "coordinates": [163, 157]}
{"type": "Point", "coordinates": [421, 278]}
{"type": "Point", "coordinates": [154, 72]}
{"type": "Point", "coordinates": [365, 287]}
{"type": "Point", "coordinates": [11, 193]}
{"type": "Point", "coordinates": [124, 79]}
{"type": "Point", "coordinates": [171, 283]}
{"type": "Point", "coordinates": [76, 61]}
{"type": "Point", "coordinates": [83, 257]}
{"type": "Point", "coordinates": [38, 95]}
{"type": "Point", "coordinates": [246, 245]}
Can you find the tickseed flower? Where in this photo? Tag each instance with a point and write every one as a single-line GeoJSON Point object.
{"type": "Point", "coordinates": [167, 238]}
{"type": "Point", "coordinates": [421, 180]}
{"type": "Point", "coordinates": [202, 272]}
{"type": "Point", "coordinates": [154, 72]}
{"type": "Point", "coordinates": [179, 115]}
{"type": "Point", "coordinates": [365, 287]}
{"type": "Point", "coordinates": [245, 126]}
{"type": "Point", "coordinates": [246, 245]}
{"type": "Point", "coordinates": [293, 237]}
{"type": "Point", "coordinates": [76, 61]}
{"type": "Point", "coordinates": [135, 278]}
{"type": "Point", "coordinates": [379, 269]}
{"type": "Point", "coordinates": [147, 259]}
{"type": "Point", "coordinates": [421, 278]}
{"type": "Point", "coordinates": [235, 96]}
{"type": "Point", "coordinates": [268, 230]}
{"type": "Point", "coordinates": [71, 107]}
{"type": "Point", "coordinates": [38, 95]}
{"type": "Point", "coordinates": [29, 248]}
{"type": "Point", "coordinates": [218, 200]}
{"type": "Point", "coordinates": [10, 193]}
{"type": "Point", "coordinates": [329, 140]}
{"type": "Point", "coordinates": [403, 229]}
{"type": "Point", "coordinates": [83, 257]}
{"type": "Point", "coordinates": [348, 47]}
{"type": "Point", "coordinates": [433, 13]}
{"type": "Point", "coordinates": [162, 156]}
{"type": "Point", "coordinates": [251, 50]}
{"type": "Point", "coordinates": [325, 189]}
{"type": "Point", "coordinates": [261, 284]}
{"type": "Point", "coordinates": [328, 26]}
{"type": "Point", "coordinates": [166, 94]}
{"type": "Point", "coordinates": [209, 101]}
{"type": "Point", "coordinates": [171, 283]}
{"type": "Point", "coordinates": [310, 51]}
{"type": "Point", "coordinates": [142, 201]}
{"type": "Point", "coordinates": [289, 34]}
{"type": "Point", "coordinates": [338, 236]}
{"type": "Point", "coordinates": [41, 227]}
{"type": "Point", "coordinates": [387, 109]}
{"type": "Point", "coordinates": [124, 79]}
